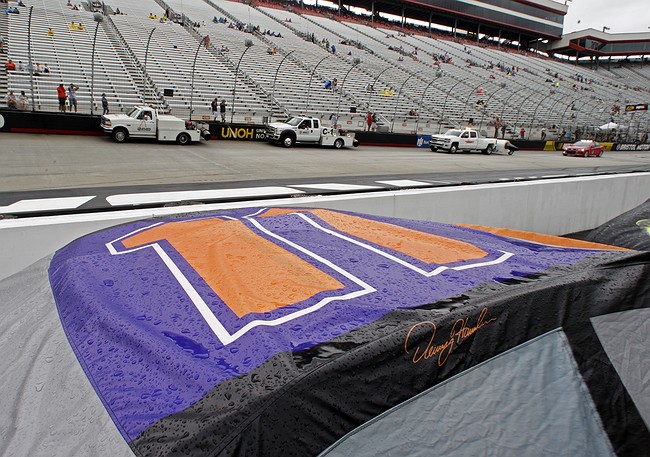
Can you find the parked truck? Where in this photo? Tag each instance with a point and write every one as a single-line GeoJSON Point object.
{"type": "Point", "coordinates": [308, 130]}
{"type": "Point", "coordinates": [146, 122]}
{"type": "Point", "coordinates": [463, 140]}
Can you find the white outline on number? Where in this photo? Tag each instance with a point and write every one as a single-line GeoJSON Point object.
{"type": "Point", "coordinates": [215, 325]}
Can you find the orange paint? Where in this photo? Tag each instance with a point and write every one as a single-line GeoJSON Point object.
{"type": "Point", "coordinates": [248, 272]}
{"type": "Point", "coordinates": [544, 239]}
{"type": "Point", "coordinates": [423, 246]}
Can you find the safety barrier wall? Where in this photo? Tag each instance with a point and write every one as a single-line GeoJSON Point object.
{"type": "Point", "coordinates": [82, 124]}
{"type": "Point", "coordinates": [552, 206]}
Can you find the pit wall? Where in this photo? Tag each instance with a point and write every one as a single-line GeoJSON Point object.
{"type": "Point", "coordinates": [83, 124]}
{"type": "Point", "coordinates": [552, 206]}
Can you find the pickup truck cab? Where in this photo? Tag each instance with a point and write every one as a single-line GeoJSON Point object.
{"type": "Point", "coordinates": [308, 130]}
{"type": "Point", "coordinates": [462, 140]}
{"type": "Point", "coordinates": [146, 122]}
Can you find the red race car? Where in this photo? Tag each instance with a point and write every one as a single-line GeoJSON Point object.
{"type": "Point", "coordinates": [584, 148]}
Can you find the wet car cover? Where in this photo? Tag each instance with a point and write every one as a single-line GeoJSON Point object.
{"type": "Point", "coordinates": [629, 230]}
{"type": "Point", "coordinates": [298, 332]}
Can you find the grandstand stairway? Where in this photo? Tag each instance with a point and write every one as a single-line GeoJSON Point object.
{"type": "Point", "coordinates": [4, 31]}
{"type": "Point", "coordinates": [150, 93]}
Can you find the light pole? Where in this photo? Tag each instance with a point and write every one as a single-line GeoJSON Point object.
{"type": "Point", "coordinates": [98, 18]}
{"type": "Point", "coordinates": [502, 86]}
{"type": "Point", "coordinates": [29, 57]}
{"type": "Point", "coordinates": [146, 54]}
{"type": "Point", "coordinates": [392, 124]}
{"type": "Point", "coordinates": [522, 104]}
{"type": "Point", "coordinates": [444, 105]}
{"type": "Point", "coordinates": [248, 44]}
{"type": "Point", "coordinates": [417, 122]}
{"type": "Point", "coordinates": [532, 121]}
{"type": "Point", "coordinates": [274, 79]}
{"type": "Point", "coordinates": [203, 41]}
{"type": "Point", "coordinates": [355, 62]}
{"type": "Point", "coordinates": [373, 85]}
{"type": "Point", "coordinates": [310, 78]}
{"type": "Point", "coordinates": [467, 101]}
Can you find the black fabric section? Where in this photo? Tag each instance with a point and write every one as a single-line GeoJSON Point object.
{"type": "Point", "coordinates": [298, 404]}
{"type": "Point", "coordinates": [621, 419]}
{"type": "Point", "coordinates": [629, 230]}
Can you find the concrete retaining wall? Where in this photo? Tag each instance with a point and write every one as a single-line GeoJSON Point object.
{"type": "Point", "coordinates": [550, 206]}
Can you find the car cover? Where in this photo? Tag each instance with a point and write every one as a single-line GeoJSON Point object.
{"type": "Point", "coordinates": [630, 230]}
{"type": "Point", "coordinates": [296, 332]}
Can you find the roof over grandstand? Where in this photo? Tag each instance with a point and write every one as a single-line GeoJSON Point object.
{"type": "Point", "coordinates": [592, 42]}
{"type": "Point", "coordinates": [517, 20]}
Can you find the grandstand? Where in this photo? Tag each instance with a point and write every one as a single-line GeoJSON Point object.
{"type": "Point", "coordinates": [270, 60]}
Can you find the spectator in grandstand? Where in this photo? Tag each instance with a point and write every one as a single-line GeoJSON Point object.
{"type": "Point", "coordinates": [118, 12]}
{"type": "Point", "coordinates": [503, 131]}
{"type": "Point", "coordinates": [105, 109]}
{"type": "Point", "coordinates": [72, 96]}
{"type": "Point", "coordinates": [328, 84]}
{"type": "Point", "coordinates": [222, 110]}
{"type": "Point", "coordinates": [39, 70]}
{"type": "Point", "coordinates": [23, 104]}
{"type": "Point", "coordinates": [20, 3]}
{"type": "Point", "coordinates": [10, 65]}
{"type": "Point", "coordinates": [333, 120]}
{"type": "Point", "coordinates": [61, 95]}
{"type": "Point", "coordinates": [2, 43]}
{"type": "Point", "coordinates": [46, 69]}
{"type": "Point", "coordinates": [153, 16]}
{"type": "Point", "coordinates": [214, 105]}
{"type": "Point", "coordinates": [369, 120]}
{"type": "Point", "coordinates": [522, 134]}
{"type": "Point", "coordinates": [543, 133]}
{"type": "Point", "coordinates": [11, 100]}
{"type": "Point", "coordinates": [12, 10]}
{"type": "Point", "coordinates": [373, 126]}
{"type": "Point", "coordinates": [50, 32]}
{"type": "Point", "coordinates": [335, 84]}
{"type": "Point", "coordinates": [69, 4]}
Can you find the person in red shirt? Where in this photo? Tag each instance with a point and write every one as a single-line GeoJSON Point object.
{"type": "Point", "coordinates": [60, 91]}
{"type": "Point", "coordinates": [10, 66]}
{"type": "Point", "coordinates": [369, 120]}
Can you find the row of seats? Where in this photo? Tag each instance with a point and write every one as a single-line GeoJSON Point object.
{"type": "Point", "coordinates": [377, 69]}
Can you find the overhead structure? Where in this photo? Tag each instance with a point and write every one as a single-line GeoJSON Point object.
{"type": "Point", "coordinates": [522, 21]}
{"type": "Point", "coordinates": [597, 44]}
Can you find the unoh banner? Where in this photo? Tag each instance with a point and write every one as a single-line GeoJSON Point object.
{"type": "Point", "coordinates": [277, 331]}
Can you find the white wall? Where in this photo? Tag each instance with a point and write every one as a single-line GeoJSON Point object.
{"type": "Point", "coordinates": [552, 206]}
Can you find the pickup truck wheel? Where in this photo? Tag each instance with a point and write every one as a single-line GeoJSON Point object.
{"type": "Point", "coordinates": [453, 148]}
{"type": "Point", "coordinates": [287, 141]}
{"type": "Point", "coordinates": [120, 135]}
{"type": "Point", "coordinates": [490, 149]}
{"type": "Point", "coordinates": [433, 149]}
{"type": "Point", "coordinates": [511, 152]}
{"type": "Point", "coordinates": [183, 138]}
{"type": "Point", "coordinates": [338, 144]}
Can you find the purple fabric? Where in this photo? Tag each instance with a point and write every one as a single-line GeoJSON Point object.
{"type": "Point", "coordinates": [149, 353]}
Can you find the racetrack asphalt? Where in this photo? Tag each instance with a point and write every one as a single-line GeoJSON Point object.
{"type": "Point", "coordinates": [36, 166]}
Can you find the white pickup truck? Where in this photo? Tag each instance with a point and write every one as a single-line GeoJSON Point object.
{"type": "Point", "coordinates": [467, 140]}
{"type": "Point", "coordinates": [308, 130]}
{"type": "Point", "coordinates": [145, 122]}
